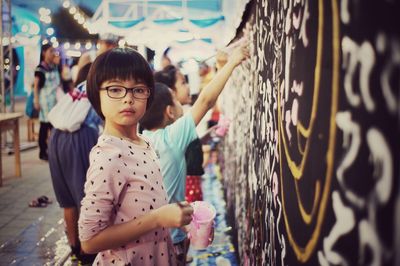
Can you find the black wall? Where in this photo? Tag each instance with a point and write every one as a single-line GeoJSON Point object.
{"type": "Point", "coordinates": [312, 155]}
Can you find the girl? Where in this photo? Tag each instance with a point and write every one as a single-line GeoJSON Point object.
{"type": "Point", "coordinates": [46, 81]}
{"type": "Point", "coordinates": [174, 79]}
{"type": "Point", "coordinates": [124, 214]}
{"type": "Point", "coordinates": [171, 132]}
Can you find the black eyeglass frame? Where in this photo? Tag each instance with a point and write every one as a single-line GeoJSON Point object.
{"type": "Point", "coordinates": [107, 88]}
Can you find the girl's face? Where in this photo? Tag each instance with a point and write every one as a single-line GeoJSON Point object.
{"type": "Point", "coordinates": [182, 89]}
{"type": "Point", "coordinates": [177, 108]}
{"type": "Point", "coordinates": [124, 113]}
{"type": "Point", "coordinates": [49, 55]}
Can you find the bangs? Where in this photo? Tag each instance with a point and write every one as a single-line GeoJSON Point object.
{"type": "Point", "coordinates": [123, 65]}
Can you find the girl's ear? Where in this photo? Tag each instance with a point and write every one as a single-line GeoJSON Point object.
{"type": "Point", "coordinates": [169, 112]}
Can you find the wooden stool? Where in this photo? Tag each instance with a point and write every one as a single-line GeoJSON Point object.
{"type": "Point", "coordinates": [32, 135]}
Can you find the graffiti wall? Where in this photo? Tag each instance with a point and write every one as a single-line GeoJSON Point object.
{"type": "Point", "coordinates": [311, 160]}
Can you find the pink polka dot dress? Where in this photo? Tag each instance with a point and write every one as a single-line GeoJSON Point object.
{"type": "Point", "coordinates": [123, 183]}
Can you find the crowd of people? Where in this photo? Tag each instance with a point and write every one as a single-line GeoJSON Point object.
{"type": "Point", "coordinates": [125, 178]}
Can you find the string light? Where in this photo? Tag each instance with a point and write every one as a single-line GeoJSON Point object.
{"type": "Point", "coordinates": [50, 31]}
{"type": "Point", "coordinates": [66, 4]}
{"type": "Point", "coordinates": [45, 15]}
{"type": "Point", "coordinates": [72, 10]}
{"type": "Point", "coordinates": [88, 45]}
{"type": "Point", "coordinates": [79, 16]}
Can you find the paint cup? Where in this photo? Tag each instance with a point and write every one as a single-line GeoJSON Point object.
{"type": "Point", "coordinates": [223, 126]}
{"type": "Point", "coordinates": [201, 225]}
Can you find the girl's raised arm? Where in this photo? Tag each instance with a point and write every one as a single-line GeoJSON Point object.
{"type": "Point", "coordinates": [208, 96]}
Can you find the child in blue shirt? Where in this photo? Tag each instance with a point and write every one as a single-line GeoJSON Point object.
{"type": "Point", "coordinates": [171, 132]}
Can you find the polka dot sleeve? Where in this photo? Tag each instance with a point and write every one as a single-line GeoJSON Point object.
{"type": "Point", "coordinates": [103, 188]}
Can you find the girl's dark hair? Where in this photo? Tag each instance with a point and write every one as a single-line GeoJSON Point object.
{"type": "Point", "coordinates": [121, 64]}
{"type": "Point", "coordinates": [44, 48]}
{"type": "Point", "coordinates": [167, 76]}
{"type": "Point", "coordinates": [82, 74]}
{"type": "Point", "coordinates": [154, 116]}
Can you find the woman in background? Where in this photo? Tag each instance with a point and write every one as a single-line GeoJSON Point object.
{"type": "Point", "coordinates": [47, 79]}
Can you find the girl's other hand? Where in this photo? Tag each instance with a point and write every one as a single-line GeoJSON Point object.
{"type": "Point", "coordinates": [175, 215]}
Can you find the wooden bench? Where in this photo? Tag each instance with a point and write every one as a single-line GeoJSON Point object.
{"type": "Point", "coordinates": [10, 121]}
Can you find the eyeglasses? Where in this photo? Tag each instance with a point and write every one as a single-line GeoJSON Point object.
{"type": "Point", "coordinates": [119, 92]}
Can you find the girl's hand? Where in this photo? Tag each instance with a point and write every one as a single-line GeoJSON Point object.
{"type": "Point", "coordinates": [36, 104]}
{"type": "Point", "coordinates": [211, 236]}
{"type": "Point", "coordinates": [240, 53]}
{"type": "Point", "coordinates": [174, 215]}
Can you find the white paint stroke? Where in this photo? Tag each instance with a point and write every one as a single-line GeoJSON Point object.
{"type": "Point", "coordinates": [383, 164]}
{"type": "Point", "coordinates": [344, 12]}
{"type": "Point", "coordinates": [367, 61]}
{"type": "Point", "coordinates": [303, 31]}
{"type": "Point", "coordinates": [368, 237]}
{"type": "Point", "coordinates": [380, 42]}
{"type": "Point", "coordinates": [388, 71]}
{"type": "Point", "coordinates": [353, 55]}
{"type": "Point", "coordinates": [295, 111]}
{"type": "Point", "coordinates": [275, 186]}
{"type": "Point", "coordinates": [287, 124]}
{"type": "Point", "coordinates": [288, 20]}
{"type": "Point", "coordinates": [296, 20]}
{"type": "Point", "coordinates": [345, 222]}
{"type": "Point", "coordinates": [288, 57]}
{"type": "Point", "coordinates": [297, 87]}
{"type": "Point", "coordinates": [352, 143]}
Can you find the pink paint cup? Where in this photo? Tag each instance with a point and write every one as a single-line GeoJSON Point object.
{"type": "Point", "coordinates": [202, 224]}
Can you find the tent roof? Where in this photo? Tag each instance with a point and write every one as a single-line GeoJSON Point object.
{"type": "Point", "coordinates": [154, 23]}
{"type": "Point", "coordinates": [92, 5]}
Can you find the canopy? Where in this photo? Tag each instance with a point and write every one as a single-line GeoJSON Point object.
{"type": "Point", "coordinates": [161, 23]}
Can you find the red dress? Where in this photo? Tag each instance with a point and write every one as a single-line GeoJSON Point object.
{"type": "Point", "coordinates": [194, 162]}
{"type": "Point", "coordinates": [193, 188]}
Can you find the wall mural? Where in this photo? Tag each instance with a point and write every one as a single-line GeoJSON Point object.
{"type": "Point", "coordinates": [311, 160]}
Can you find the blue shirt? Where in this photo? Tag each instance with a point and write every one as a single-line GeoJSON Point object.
{"type": "Point", "coordinates": [170, 144]}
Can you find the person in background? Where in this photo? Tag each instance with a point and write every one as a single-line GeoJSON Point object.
{"type": "Point", "coordinates": [106, 42]}
{"type": "Point", "coordinates": [171, 132]}
{"type": "Point", "coordinates": [65, 75]}
{"type": "Point", "coordinates": [206, 74]}
{"type": "Point", "coordinates": [47, 79]}
{"type": "Point", "coordinates": [175, 80]}
{"type": "Point", "coordinates": [69, 162]}
{"type": "Point", "coordinates": [165, 60]}
{"type": "Point", "coordinates": [125, 215]}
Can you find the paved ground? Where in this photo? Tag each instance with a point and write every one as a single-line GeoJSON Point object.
{"type": "Point", "coordinates": [28, 235]}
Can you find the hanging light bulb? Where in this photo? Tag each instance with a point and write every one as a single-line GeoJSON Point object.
{"type": "Point", "coordinates": [66, 4]}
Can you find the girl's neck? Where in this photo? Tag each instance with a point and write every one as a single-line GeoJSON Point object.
{"type": "Point", "coordinates": [129, 133]}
